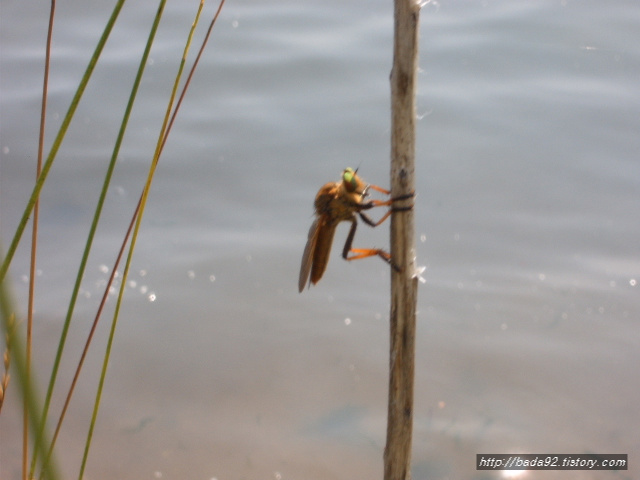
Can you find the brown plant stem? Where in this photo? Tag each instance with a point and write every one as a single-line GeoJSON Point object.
{"type": "Point", "coordinates": [404, 284]}
{"type": "Point", "coordinates": [34, 240]}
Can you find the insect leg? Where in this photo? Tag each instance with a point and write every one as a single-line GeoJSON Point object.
{"type": "Point", "coordinates": [379, 189]}
{"type": "Point", "coordinates": [358, 253]}
{"type": "Point", "coordinates": [387, 192]}
{"type": "Point", "coordinates": [349, 242]}
{"type": "Point", "coordinates": [388, 203]}
{"type": "Point", "coordinates": [370, 252]}
{"type": "Point", "coordinates": [370, 222]}
{"type": "Point", "coordinates": [376, 203]}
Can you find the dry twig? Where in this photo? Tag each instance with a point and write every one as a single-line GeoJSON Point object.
{"type": "Point", "coordinates": [404, 284]}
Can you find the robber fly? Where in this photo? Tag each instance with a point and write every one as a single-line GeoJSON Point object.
{"type": "Point", "coordinates": [337, 202]}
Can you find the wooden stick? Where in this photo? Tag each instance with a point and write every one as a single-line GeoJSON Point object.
{"type": "Point", "coordinates": [404, 285]}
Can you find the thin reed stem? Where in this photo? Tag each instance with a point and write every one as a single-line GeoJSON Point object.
{"type": "Point", "coordinates": [192, 71]}
{"type": "Point", "coordinates": [34, 240]}
{"type": "Point", "coordinates": [96, 217]}
{"type": "Point", "coordinates": [164, 132]}
{"type": "Point", "coordinates": [36, 192]}
{"type": "Point", "coordinates": [58, 141]}
{"type": "Point", "coordinates": [35, 418]}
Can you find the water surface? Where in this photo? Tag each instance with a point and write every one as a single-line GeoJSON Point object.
{"type": "Point", "coordinates": [527, 218]}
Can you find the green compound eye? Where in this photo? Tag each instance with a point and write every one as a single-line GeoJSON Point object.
{"type": "Point", "coordinates": [349, 178]}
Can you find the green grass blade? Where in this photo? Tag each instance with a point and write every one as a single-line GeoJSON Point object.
{"type": "Point", "coordinates": [145, 193]}
{"type": "Point", "coordinates": [49, 162]}
{"type": "Point", "coordinates": [58, 140]}
{"type": "Point", "coordinates": [96, 217]}
{"type": "Point", "coordinates": [25, 381]}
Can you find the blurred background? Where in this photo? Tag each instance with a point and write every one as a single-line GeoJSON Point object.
{"type": "Point", "coordinates": [528, 183]}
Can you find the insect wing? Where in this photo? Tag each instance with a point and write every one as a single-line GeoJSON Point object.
{"type": "Point", "coordinates": [326, 231]}
{"type": "Point", "coordinates": [307, 256]}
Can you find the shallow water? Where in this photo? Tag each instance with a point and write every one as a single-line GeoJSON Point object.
{"type": "Point", "coordinates": [527, 218]}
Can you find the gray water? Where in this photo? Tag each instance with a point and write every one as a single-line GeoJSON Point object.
{"type": "Point", "coordinates": [527, 219]}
